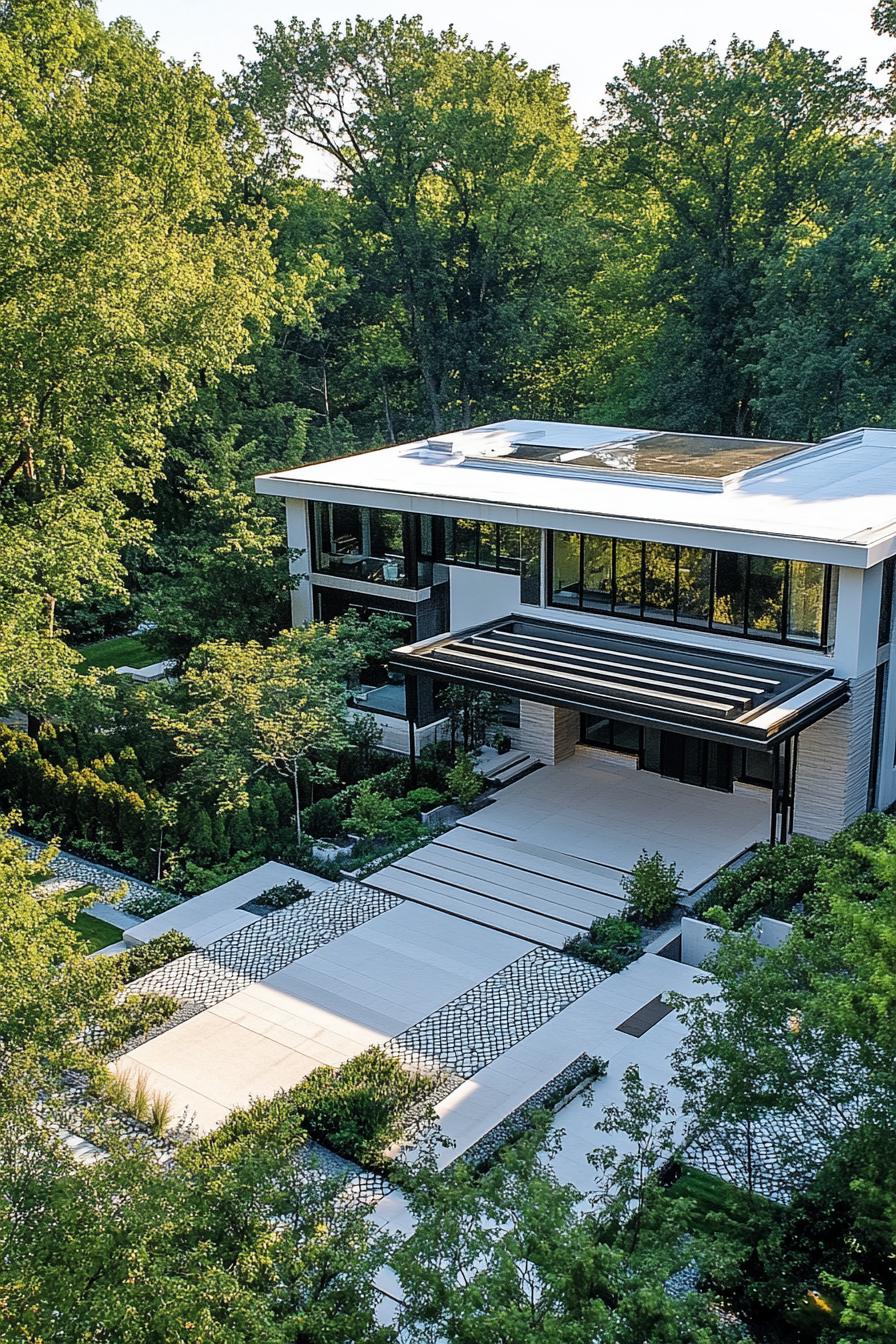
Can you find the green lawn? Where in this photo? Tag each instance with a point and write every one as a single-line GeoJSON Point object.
{"type": "Point", "coordinates": [122, 651]}
{"type": "Point", "coordinates": [95, 933]}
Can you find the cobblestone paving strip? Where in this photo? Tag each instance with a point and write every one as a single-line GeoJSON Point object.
{"type": "Point", "coordinates": [203, 978]}
{"type": "Point", "coordinates": [477, 1027]}
{"type": "Point", "coordinates": [84, 873]}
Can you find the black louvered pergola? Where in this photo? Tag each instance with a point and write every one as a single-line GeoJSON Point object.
{"type": "Point", "coordinates": [732, 698]}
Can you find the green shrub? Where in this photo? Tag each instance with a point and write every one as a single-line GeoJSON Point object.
{"type": "Point", "coordinates": [610, 943]}
{"type": "Point", "coordinates": [283, 895]}
{"type": "Point", "coordinates": [848, 863]}
{"type": "Point", "coordinates": [150, 956]}
{"type": "Point", "coordinates": [358, 1110]}
{"type": "Point", "coordinates": [776, 880]}
{"type": "Point", "coordinates": [423, 800]}
{"type": "Point", "coordinates": [324, 818]}
{"type": "Point", "coordinates": [651, 886]}
{"type": "Point", "coordinates": [362, 1107]}
{"type": "Point", "coordinates": [135, 1016]}
{"type": "Point", "coordinates": [371, 813]}
{"type": "Point", "coordinates": [462, 781]}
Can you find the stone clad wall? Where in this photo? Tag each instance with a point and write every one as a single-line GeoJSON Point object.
{"type": "Point", "coordinates": [833, 763]}
{"type": "Point", "coordinates": [547, 732]}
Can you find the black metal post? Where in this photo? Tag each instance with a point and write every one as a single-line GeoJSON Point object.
{"type": "Point", "coordinates": [785, 793]}
{"type": "Point", "coordinates": [776, 790]}
{"type": "Point", "coordinates": [795, 751]}
{"type": "Point", "coordinates": [410, 701]}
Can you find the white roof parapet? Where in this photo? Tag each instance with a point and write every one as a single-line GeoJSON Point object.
{"type": "Point", "coordinates": [833, 502]}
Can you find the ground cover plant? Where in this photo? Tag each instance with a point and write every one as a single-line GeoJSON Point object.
{"type": "Point", "coordinates": [95, 933]}
{"type": "Point", "coordinates": [610, 943]}
{"type": "Point", "coordinates": [283, 895]}
{"type": "Point", "coordinates": [123, 651]}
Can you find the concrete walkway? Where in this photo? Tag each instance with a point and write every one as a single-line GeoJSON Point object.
{"type": "Point", "coordinates": [206, 918]}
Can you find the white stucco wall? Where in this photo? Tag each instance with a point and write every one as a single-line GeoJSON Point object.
{"type": "Point", "coordinates": [481, 595]}
{"type": "Point", "coordinates": [298, 537]}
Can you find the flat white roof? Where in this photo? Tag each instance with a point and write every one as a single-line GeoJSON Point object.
{"type": "Point", "coordinates": [834, 501]}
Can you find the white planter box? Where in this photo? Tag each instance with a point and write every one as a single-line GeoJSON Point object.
{"type": "Point", "coordinates": [325, 853]}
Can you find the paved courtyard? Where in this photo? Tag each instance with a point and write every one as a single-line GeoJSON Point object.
{"type": "Point", "coordinates": [548, 855]}
{"type": "Point", "coordinates": [266, 1025]}
{"type": "Point", "coordinates": [450, 958]}
{"type": "Point", "coordinates": [593, 808]}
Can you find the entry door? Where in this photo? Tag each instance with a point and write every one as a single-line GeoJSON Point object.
{"type": "Point", "coordinates": [695, 761]}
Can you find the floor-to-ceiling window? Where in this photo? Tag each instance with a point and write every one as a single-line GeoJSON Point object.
{"type": "Point", "coordinates": [504, 547]}
{"type": "Point", "coordinates": [760, 597]}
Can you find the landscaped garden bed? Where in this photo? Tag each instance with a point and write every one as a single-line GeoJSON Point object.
{"type": "Point", "coordinates": [358, 1110]}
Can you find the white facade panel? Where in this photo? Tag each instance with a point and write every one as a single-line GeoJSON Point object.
{"type": "Point", "coordinates": [298, 537]}
{"type": "Point", "coordinates": [479, 595]}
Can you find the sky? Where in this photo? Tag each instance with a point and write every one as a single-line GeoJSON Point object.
{"type": "Point", "coordinates": [587, 39]}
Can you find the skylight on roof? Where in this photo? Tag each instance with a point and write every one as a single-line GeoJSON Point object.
{"type": "Point", "coordinates": [701, 461]}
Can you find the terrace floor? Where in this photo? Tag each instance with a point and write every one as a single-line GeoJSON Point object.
{"type": "Point", "coordinates": [548, 856]}
{"type": "Point", "coordinates": [604, 811]}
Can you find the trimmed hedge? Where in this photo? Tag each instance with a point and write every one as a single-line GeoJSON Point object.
{"type": "Point", "coordinates": [146, 957]}
{"type": "Point", "coordinates": [358, 1111]}
{"type": "Point", "coordinates": [779, 879]}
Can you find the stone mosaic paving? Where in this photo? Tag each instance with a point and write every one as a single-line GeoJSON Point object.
{"type": "Point", "coordinates": [475, 1029]}
{"type": "Point", "coordinates": [202, 979]}
{"type": "Point", "coordinates": [82, 873]}
{"type": "Point", "coordinates": [778, 1154]}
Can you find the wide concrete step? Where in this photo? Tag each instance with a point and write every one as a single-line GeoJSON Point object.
{"type": "Point", "coordinates": [529, 858]}
{"type": "Point", "coordinates": [510, 774]}
{"type": "Point", "coordinates": [457, 900]}
{"type": "Point", "coordinates": [573, 905]}
{"type": "Point", "coordinates": [497, 765]}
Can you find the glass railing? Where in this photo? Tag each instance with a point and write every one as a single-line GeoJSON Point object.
{"type": "Point", "coordinates": [387, 569]}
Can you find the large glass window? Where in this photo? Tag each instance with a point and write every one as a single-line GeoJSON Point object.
{"type": "Point", "coordinates": [356, 543]}
{"type": "Point", "coordinates": [597, 573]}
{"type": "Point", "coordinates": [502, 546]}
{"type": "Point", "coordinates": [628, 578]}
{"type": "Point", "coordinates": [659, 581]}
{"type": "Point", "coordinates": [760, 597]}
{"type": "Point", "coordinates": [694, 586]}
{"type": "Point", "coordinates": [806, 598]}
{"type": "Point", "coordinates": [567, 585]}
{"type": "Point", "coordinates": [462, 541]}
{"type": "Point", "coordinates": [765, 597]}
{"type": "Point", "coordinates": [728, 600]}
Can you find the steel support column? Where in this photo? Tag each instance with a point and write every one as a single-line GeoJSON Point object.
{"type": "Point", "coordinates": [410, 699]}
{"type": "Point", "coordinates": [776, 794]}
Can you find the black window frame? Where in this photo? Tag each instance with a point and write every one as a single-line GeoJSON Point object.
{"type": "Point", "coordinates": [510, 565]}
{"type": "Point", "coordinates": [637, 611]}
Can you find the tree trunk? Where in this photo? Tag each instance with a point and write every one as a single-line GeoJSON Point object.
{"type": "Point", "coordinates": [390, 428]}
{"type": "Point", "coordinates": [295, 786]}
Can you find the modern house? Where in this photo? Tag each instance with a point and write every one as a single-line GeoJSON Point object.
{"type": "Point", "coordinates": [717, 609]}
